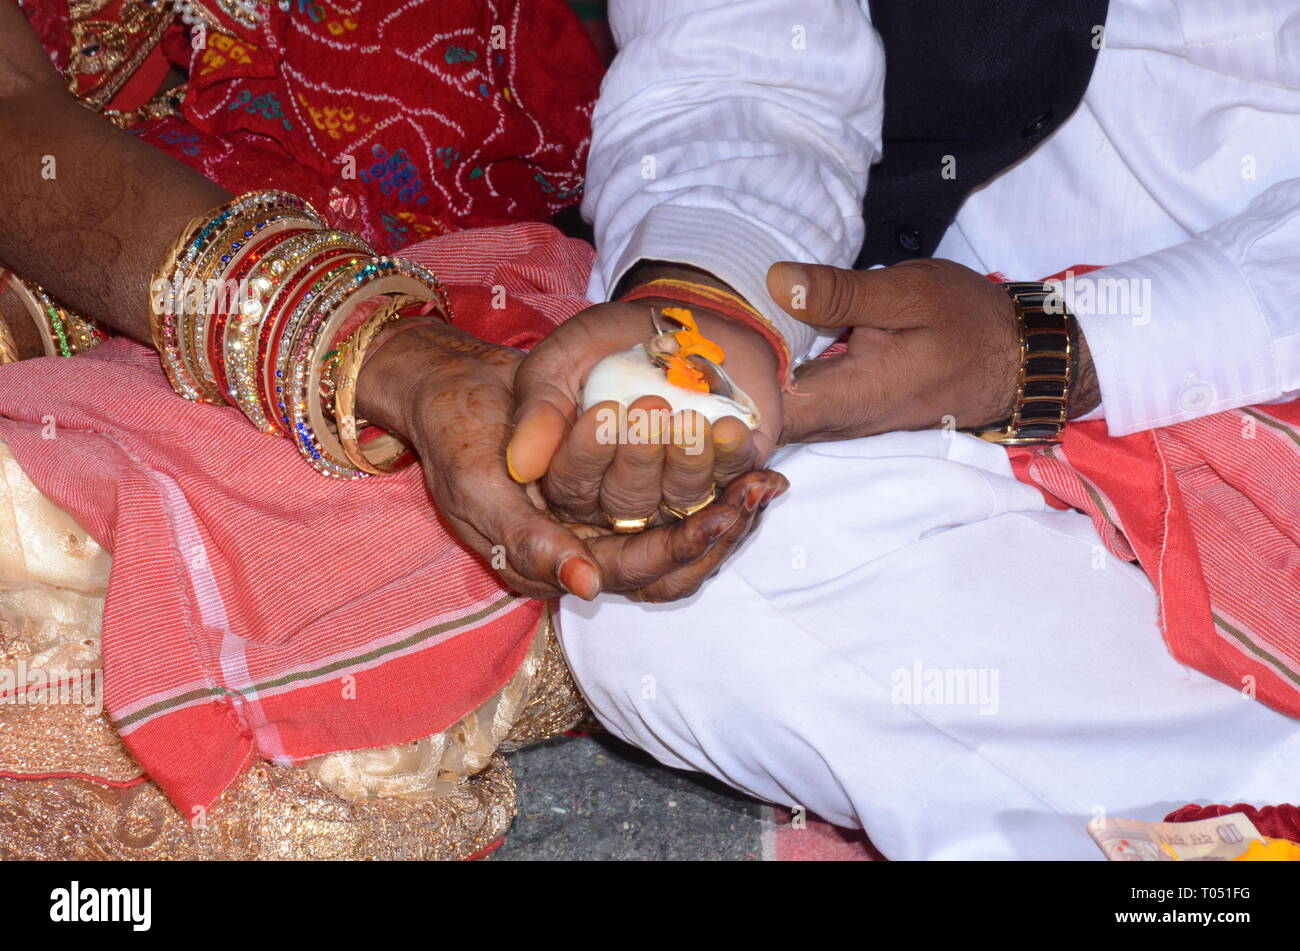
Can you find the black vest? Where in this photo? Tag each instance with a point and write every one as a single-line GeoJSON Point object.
{"type": "Point", "coordinates": [980, 81]}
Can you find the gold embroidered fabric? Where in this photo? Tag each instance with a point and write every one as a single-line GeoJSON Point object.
{"type": "Point", "coordinates": [272, 812]}
{"type": "Point", "coordinates": [109, 41]}
{"type": "Point", "coordinates": [443, 796]}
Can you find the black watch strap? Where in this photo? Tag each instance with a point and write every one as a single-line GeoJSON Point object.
{"type": "Point", "coordinates": [1049, 349]}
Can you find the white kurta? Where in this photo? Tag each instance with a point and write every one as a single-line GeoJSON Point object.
{"type": "Point", "coordinates": [734, 133]}
{"type": "Point", "coordinates": [915, 644]}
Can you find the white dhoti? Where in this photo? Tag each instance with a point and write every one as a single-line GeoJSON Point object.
{"type": "Point", "coordinates": [914, 643]}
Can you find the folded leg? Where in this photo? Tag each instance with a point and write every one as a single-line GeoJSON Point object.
{"type": "Point", "coordinates": [915, 644]}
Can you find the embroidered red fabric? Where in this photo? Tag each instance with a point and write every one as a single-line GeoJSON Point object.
{"type": "Point", "coordinates": [397, 119]}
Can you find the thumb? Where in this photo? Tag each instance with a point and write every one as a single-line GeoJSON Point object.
{"type": "Point", "coordinates": [826, 296]}
{"type": "Point", "coordinates": [546, 403]}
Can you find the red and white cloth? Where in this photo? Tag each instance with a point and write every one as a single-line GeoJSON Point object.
{"type": "Point", "coordinates": [256, 609]}
{"type": "Point", "coordinates": [1210, 508]}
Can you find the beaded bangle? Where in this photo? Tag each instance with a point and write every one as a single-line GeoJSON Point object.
{"type": "Point", "coordinates": [63, 332]}
{"type": "Point", "coordinates": [246, 300]}
{"type": "Point", "coordinates": [312, 430]}
{"type": "Point", "coordinates": [179, 267]}
{"type": "Point", "coordinates": [241, 238]}
{"type": "Point", "coordinates": [276, 338]}
{"type": "Point", "coordinates": [301, 289]}
{"type": "Point", "coordinates": [282, 272]}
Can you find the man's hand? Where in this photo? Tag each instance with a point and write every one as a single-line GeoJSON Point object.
{"type": "Point", "coordinates": [932, 343]}
{"type": "Point", "coordinates": [585, 474]}
{"type": "Point", "coordinates": [450, 395]}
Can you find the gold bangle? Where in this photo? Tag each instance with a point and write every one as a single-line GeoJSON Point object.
{"type": "Point", "coordinates": [63, 332]}
{"type": "Point", "coordinates": [312, 430]}
{"type": "Point", "coordinates": [34, 308]}
{"type": "Point", "coordinates": [383, 454]}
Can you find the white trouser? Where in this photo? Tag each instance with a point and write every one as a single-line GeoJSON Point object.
{"type": "Point", "coordinates": [914, 643]}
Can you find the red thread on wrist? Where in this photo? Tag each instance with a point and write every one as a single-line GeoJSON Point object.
{"type": "Point", "coordinates": [720, 302]}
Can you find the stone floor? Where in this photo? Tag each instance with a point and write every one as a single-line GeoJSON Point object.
{"type": "Point", "coordinates": [593, 797]}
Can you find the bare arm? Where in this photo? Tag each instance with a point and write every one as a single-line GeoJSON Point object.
{"type": "Point", "coordinates": [88, 210]}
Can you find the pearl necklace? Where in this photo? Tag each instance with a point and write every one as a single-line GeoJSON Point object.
{"type": "Point", "coordinates": [248, 12]}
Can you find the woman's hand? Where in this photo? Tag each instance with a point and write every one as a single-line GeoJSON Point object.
{"type": "Point", "coordinates": [451, 395]}
{"type": "Point", "coordinates": [591, 472]}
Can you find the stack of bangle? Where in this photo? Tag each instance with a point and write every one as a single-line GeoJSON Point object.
{"type": "Point", "coordinates": [63, 332]}
{"type": "Point", "coordinates": [259, 305]}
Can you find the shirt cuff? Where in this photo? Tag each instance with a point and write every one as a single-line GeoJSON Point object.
{"type": "Point", "coordinates": [1173, 335]}
{"type": "Point", "coordinates": [728, 247]}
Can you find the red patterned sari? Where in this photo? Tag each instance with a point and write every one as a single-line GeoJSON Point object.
{"type": "Point", "coordinates": [397, 120]}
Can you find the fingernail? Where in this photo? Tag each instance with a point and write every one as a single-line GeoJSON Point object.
{"type": "Point", "coordinates": [728, 445]}
{"type": "Point", "coordinates": [720, 529]}
{"type": "Point", "coordinates": [755, 495]}
{"type": "Point", "coordinates": [789, 284]}
{"type": "Point", "coordinates": [510, 466]}
{"type": "Point", "coordinates": [579, 576]}
{"type": "Point", "coordinates": [774, 492]}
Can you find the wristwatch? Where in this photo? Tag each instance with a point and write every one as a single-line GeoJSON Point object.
{"type": "Point", "coordinates": [1049, 355]}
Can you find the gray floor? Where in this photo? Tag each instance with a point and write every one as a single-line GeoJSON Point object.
{"type": "Point", "coordinates": [593, 797]}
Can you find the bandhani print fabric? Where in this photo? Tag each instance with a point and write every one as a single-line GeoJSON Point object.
{"type": "Point", "coordinates": [398, 119]}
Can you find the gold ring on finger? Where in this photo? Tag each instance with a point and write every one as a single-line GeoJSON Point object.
{"type": "Point", "coordinates": [628, 526]}
{"type": "Point", "coordinates": [686, 511]}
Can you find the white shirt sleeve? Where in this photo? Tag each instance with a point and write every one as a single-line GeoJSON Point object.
{"type": "Point", "coordinates": [1210, 325]}
{"type": "Point", "coordinates": [731, 134]}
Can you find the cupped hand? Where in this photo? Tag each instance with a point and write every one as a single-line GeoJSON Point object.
{"type": "Point", "coordinates": [451, 396]}
{"type": "Point", "coordinates": [604, 463]}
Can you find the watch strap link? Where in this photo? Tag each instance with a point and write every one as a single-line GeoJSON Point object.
{"type": "Point", "coordinates": [1048, 354]}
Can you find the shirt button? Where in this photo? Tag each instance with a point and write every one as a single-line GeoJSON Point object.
{"type": "Point", "coordinates": [909, 239]}
{"type": "Point", "coordinates": [1196, 397]}
{"type": "Point", "coordinates": [1037, 124]}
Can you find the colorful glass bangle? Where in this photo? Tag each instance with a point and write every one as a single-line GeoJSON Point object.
{"type": "Point", "coordinates": [230, 309]}
{"type": "Point", "coordinates": [313, 430]}
{"type": "Point", "coordinates": [240, 234]}
{"type": "Point", "coordinates": [214, 277]}
{"type": "Point", "coordinates": [277, 275]}
{"type": "Point", "coordinates": [276, 339]}
{"type": "Point", "coordinates": [259, 298]}
{"type": "Point", "coordinates": [178, 267]}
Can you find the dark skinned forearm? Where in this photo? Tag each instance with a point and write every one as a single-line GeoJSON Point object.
{"type": "Point", "coordinates": [89, 210]}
